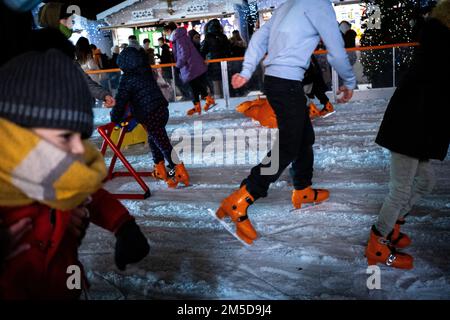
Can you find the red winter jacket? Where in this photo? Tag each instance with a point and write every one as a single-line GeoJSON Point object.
{"type": "Point", "coordinates": [41, 272]}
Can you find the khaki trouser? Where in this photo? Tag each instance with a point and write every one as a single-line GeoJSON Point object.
{"type": "Point", "coordinates": [410, 179]}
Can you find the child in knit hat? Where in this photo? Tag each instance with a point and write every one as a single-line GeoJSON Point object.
{"type": "Point", "coordinates": [47, 171]}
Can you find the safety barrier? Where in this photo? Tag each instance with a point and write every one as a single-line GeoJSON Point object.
{"type": "Point", "coordinates": [232, 65]}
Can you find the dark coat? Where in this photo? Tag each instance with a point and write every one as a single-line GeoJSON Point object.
{"type": "Point", "coordinates": [137, 87]}
{"type": "Point", "coordinates": [350, 39]}
{"type": "Point", "coordinates": [416, 122]}
{"type": "Point", "coordinates": [216, 45]}
{"type": "Point", "coordinates": [166, 55]}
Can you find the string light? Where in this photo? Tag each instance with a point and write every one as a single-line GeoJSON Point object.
{"type": "Point", "coordinates": [396, 25]}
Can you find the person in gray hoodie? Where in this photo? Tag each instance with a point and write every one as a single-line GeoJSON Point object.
{"type": "Point", "coordinates": [288, 38]}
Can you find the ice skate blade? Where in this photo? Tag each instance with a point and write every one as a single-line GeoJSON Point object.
{"type": "Point", "coordinates": [328, 114]}
{"type": "Point", "coordinates": [308, 205]}
{"type": "Point", "coordinates": [206, 109]}
{"type": "Point", "coordinates": [229, 229]}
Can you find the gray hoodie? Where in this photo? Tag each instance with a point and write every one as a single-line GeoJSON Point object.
{"type": "Point", "coordinates": [290, 37]}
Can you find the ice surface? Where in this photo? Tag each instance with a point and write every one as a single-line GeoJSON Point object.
{"type": "Point", "coordinates": [315, 253]}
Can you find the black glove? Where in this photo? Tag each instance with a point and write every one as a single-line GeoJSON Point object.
{"type": "Point", "coordinates": [131, 245]}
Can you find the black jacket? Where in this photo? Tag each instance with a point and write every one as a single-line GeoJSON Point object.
{"type": "Point", "coordinates": [350, 38]}
{"type": "Point", "coordinates": [215, 46]}
{"type": "Point", "coordinates": [417, 119]}
{"type": "Point", "coordinates": [137, 87]}
{"type": "Point", "coordinates": [166, 55]}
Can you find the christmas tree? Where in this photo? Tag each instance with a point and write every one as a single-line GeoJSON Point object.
{"type": "Point", "coordinates": [388, 22]}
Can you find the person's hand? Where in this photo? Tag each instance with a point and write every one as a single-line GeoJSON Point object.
{"type": "Point", "coordinates": [131, 245]}
{"type": "Point", "coordinates": [79, 222]}
{"type": "Point", "coordinates": [109, 102]}
{"type": "Point", "coordinates": [238, 81]}
{"type": "Point", "coordinates": [11, 236]}
{"type": "Point", "coordinates": [347, 94]}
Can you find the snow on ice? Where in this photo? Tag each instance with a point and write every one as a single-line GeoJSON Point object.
{"type": "Point", "coordinates": [315, 253]}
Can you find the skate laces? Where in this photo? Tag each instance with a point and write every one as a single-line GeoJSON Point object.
{"type": "Point", "coordinates": [390, 260]}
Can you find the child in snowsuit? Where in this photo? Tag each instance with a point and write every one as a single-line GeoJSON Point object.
{"type": "Point", "coordinates": [47, 173]}
{"type": "Point", "coordinates": [315, 86]}
{"type": "Point", "coordinates": [139, 89]}
{"type": "Point", "coordinates": [415, 129]}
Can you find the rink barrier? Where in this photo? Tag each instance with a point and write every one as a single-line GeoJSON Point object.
{"type": "Point", "coordinates": [317, 52]}
{"type": "Point", "coordinates": [105, 131]}
{"type": "Point", "coordinates": [384, 92]}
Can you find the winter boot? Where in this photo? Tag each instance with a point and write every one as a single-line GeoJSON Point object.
{"type": "Point", "coordinates": [235, 206]}
{"type": "Point", "coordinates": [210, 102]}
{"type": "Point", "coordinates": [177, 175]}
{"type": "Point", "coordinates": [399, 240]}
{"type": "Point", "coordinates": [328, 108]}
{"type": "Point", "coordinates": [309, 195]}
{"type": "Point", "coordinates": [196, 109]}
{"type": "Point", "coordinates": [313, 111]}
{"type": "Point", "coordinates": [379, 250]}
{"type": "Point", "coordinates": [159, 171]}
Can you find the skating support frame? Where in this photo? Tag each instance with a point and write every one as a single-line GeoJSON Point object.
{"type": "Point", "coordinates": [106, 131]}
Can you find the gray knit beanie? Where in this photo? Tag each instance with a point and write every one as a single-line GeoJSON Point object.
{"type": "Point", "coordinates": [46, 90]}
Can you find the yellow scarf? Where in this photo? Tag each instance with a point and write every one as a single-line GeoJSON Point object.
{"type": "Point", "coordinates": [32, 169]}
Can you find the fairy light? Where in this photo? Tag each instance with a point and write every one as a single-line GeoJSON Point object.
{"type": "Point", "coordinates": [395, 26]}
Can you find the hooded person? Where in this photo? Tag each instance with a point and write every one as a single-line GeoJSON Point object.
{"type": "Point", "coordinates": [48, 170]}
{"type": "Point", "coordinates": [195, 38]}
{"type": "Point", "coordinates": [139, 90]}
{"type": "Point", "coordinates": [55, 15]}
{"type": "Point", "coordinates": [215, 46]}
{"type": "Point", "coordinates": [192, 67]}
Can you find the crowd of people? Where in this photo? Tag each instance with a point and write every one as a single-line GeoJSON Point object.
{"type": "Point", "coordinates": [51, 175]}
{"type": "Point", "coordinates": [206, 85]}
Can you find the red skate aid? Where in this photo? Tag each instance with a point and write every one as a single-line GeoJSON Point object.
{"type": "Point", "coordinates": [105, 132]}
